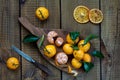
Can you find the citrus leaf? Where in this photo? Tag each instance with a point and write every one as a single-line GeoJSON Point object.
{"type": "Point", "coordinates": [90, 37]}
{"type": "Point", "coordinates": [88, 66]}
{"type": "Point", "coordinates": [97, 54]}
{"type": "Point", "coordinates": [74, 35]}
{"type": "Point", "coordinates": [41, 41]}
{"type": "Point", "coordinates": [75, 47]}
{"type": "Point", "coordinates": [30, 38]}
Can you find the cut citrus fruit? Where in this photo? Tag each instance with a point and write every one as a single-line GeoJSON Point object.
{"type": "Point", "coordinates": [95, 16]}
{"type": "Point", "coordinates": [81, 14]}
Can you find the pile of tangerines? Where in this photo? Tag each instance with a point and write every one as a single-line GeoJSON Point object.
{"type": "Point", "coordinates": [80, 54]}
{"type": "Point", "coordinates": [70, 47]}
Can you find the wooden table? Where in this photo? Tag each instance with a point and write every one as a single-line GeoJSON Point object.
{"type": "Point", "coordinates": [61, 16]}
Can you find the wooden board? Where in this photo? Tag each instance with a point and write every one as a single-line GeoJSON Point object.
{"type": "Point", "coordinates": [39, 32]}
{"type": "Point", "coordinates": [9, 35]}
{"type": "Point", "coordinates": [68, 22]}
{"type": "Point", "coordinates": [110, 31]}
{"type": "Point", "coordinates": [60, 17]}
{"type": "Point", "coordinates": [28, 10]}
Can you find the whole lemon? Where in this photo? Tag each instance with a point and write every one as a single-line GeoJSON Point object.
{"type": "Point", "coordinates": [85, 47]}
{"type": "Point", "coordinates": [75, 63]}
{"type": "Point", "coordinates": [67, 48]}
{"type": "Point", "coordinates": [78, 54]}
{"type": "Point", "coordinates": [12, 63]}
{"type": "Point", "coordinates": [42, 13]}
{"type": "Point", "coordinates": [70, 41]}
{"type": "Point", "coordinates": [49, 51]}
{"type": "Point", "coordinates": [87, 57]}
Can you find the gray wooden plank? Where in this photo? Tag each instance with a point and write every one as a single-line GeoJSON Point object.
{"type": "Point", "coordinates": [68, 22]}
{"type": "Point", "coordinates": [110, 31]}
{"type": "Point", "coordinates": [28, 10]}
{"type": "Point", "coordinates": [9, 35]}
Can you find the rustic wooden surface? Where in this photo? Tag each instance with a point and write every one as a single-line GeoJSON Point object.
{"type": "Point", "coordinates": [61, 17]}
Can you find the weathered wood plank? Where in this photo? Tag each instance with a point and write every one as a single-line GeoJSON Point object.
{"type": "Point", "coordinates": [28, 10]}
{"type": "Point", "coordinates": [9, 35]}
{"type": "Point", "coordinates": [110, 31]}
{"type": "Point", "coordinates": [67, 22]}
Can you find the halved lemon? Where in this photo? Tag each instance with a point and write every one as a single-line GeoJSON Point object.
{"type": "Point", "coordinates": [95, 16]}
{"type": "Point", "coordinates": [81, 14]}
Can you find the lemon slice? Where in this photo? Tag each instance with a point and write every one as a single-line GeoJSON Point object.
{"type": "Point", "coordinates": [81, 14]}
{"type": "Point", "coordinates": [95, 16]}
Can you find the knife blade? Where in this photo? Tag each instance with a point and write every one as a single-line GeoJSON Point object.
{"type": "Point", "coordinates": [30, 59]}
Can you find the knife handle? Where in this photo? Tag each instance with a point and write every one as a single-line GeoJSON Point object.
{"type": "Point", "coordinates": [43, 68]}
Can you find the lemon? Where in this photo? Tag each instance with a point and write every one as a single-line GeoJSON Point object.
{"type": "Point", "coordinates": [81, 14]}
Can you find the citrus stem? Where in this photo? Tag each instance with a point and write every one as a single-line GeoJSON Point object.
{"type": "Point", "coordinates": [15, 64]}
{"type": "Point", "coordinates": [41, 14]}
{"type": "Point", "coordinates": [47, 50]}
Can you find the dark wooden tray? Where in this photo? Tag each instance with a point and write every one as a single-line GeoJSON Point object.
{"type": "Point", "coordinates": [38, 32]}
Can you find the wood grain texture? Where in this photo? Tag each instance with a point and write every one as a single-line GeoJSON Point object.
{"type": "Point", "coordinates": [9, 35]}
{"type": "Point", "coordinates": [61, 16]}
{"type": "Point", "coordinates": [38, 31]}
{"type": "Point", "coordinates": [110, 31]}
{"type": "Point", "coordinates": [28, 11]}
{"type": "Point", "coordinates": [68, 22]}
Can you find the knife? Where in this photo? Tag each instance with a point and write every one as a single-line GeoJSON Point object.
{"type": "Point", "coordinates": [28, 58]}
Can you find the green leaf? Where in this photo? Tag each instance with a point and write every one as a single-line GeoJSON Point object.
{"type": "Point", "coordinates": [75, 47]}
{"type": "Point", "coordinates": [97, 54]}
{"type": "Point", "coordinates": [41, 41]}
{"type": "Point", "coordinates": [90, 37]}
{"type": "Point", "coordinates": [30, 38]}
{"type": "Point", "coordinates": [74, 35]}
{"type": "Point", "coordinates": [88, 66]}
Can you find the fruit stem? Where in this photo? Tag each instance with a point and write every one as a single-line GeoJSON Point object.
{"type": "Point", "coordinates": [15, 64]}
{"type": "Point", "coordinates": [41, 14]}
{"type": "Point", "coordinates": [46, 50]}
